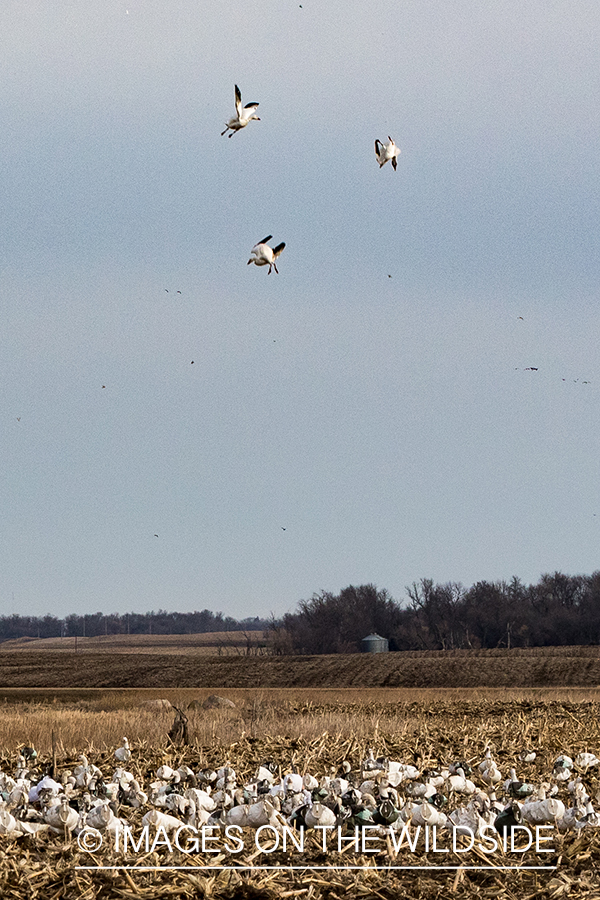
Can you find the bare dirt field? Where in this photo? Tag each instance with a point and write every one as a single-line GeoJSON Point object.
{"type": "Point", "coordinates": [176, 662]}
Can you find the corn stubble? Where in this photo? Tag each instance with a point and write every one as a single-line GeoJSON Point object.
{"type": "Point", "coordinates": [312, 732]}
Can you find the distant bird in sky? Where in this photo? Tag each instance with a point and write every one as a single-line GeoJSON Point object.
{"type": "Point", "coordinates": [244, 114]}
{"type": "Point", "coordinates": [521, 318]}
{"type": "Point", "coordinates": [283, 529]}
{"type": "Point", "coordinates": [531, 369]}
{"type": "Point", "coordinates": [383, 152]}
{"type": "Point", "coordinates": [263, 255]}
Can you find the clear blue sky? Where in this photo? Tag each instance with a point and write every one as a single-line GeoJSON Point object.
{"type": "Point", "coordinates": [388, 424]}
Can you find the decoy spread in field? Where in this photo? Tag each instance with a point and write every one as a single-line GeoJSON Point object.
{"type": "Point", "coordinates": [381, 793]}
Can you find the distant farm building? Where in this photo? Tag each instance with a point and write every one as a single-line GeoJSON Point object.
{"type": "Point", "coordinates": [374, 643]}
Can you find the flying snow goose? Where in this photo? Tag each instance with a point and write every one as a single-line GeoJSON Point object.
{"type": "Point", "coordinates": [383, 152]}
{"type": "Point", "coordinates": [263, 255]}
{"type": "Point", "coordinates": [244, 114]}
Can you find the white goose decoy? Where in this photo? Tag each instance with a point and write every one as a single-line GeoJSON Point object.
{"type": "Point", "coordinates": [319, 816]}
{"type": "Point", "coordinates": [383, 152]}
{"type": "Point", "coordinates": [100, 816]}
{"type": "Point", "coordinates": [487, 761]}
{"type": "Point", "coordinates": [459, 783]}
{"type": "Point", "coordinates": [158, 818]}
{"type": "Point", "coordinates": [123, 754]}
{"type": "Point", "coordinates": [591, 818]}
{"type": "Point", "coordinates": [426, 814]}
{"type": "Point", "coordinates": [263, 255]}
{"type": "Point", "coordinates": [244, 114]}
{"type": "Point", "coordinates": [467, 821]}
{"type": "Point", "coordinates": [527, 756]}
{"type": "Point", "coordinates": [8, 823]}
{"type": "Point", "coordinates": [261, 813]}
{"type": "Point", "coordinates": [137, 797]}
{"type": "Point", "coordinates": [62, 816]}
{"type": "Point", "coordinates": [492, 775]}
{"type": "Point", "coordinates": [585, 761]}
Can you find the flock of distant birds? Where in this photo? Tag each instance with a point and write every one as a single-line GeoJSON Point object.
{"type": "Point", "coordinates": [262, 254]}
{"type": "Point", "coordinates": [464, 797]}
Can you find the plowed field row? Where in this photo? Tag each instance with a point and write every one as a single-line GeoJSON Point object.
{"type": "Point", "coordinates": [183, 670]}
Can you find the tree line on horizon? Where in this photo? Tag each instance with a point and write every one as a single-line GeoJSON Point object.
{"type": "Point", "coordinates": [558, 610]}
{"type": "Point", "coordinates": [97, 624]}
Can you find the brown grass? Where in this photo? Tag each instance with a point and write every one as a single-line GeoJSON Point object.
{"type": "Point", "coordinates": [99, 719]}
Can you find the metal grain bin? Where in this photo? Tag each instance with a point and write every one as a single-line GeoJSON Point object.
{"type": "Point", "coordinates": [374, 643]}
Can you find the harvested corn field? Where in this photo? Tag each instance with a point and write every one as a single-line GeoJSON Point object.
{"type": "Point", "coordinates": [254, 746]}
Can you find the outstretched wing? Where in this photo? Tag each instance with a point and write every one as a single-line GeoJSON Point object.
{"type": "Point", "coordinates": [264, 240]}
{"type": "Point", "coordinates": [377, 148]}
{"type": "Point", "coordinates": [238, 101]}
{"type": "Point", "coordinates": [278, 250]}
{"type": "Point", "coordinates": [251, 105]}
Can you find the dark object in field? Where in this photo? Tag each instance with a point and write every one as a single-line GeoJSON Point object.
{"type": "Point", "coordinates": [508, 819]}
{"type": "Point", "coordinates": [179, 733]}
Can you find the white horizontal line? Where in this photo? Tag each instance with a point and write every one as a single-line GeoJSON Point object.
{"type": "Point", "coordinates": [305, 868]}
